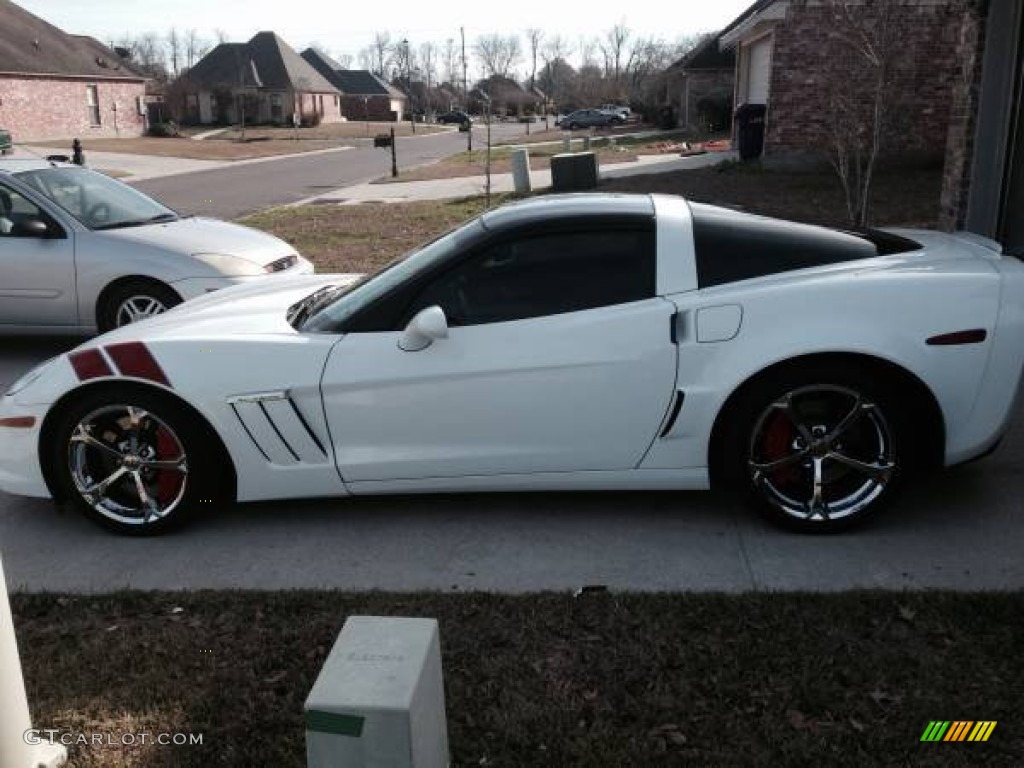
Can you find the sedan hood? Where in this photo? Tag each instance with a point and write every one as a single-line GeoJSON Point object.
{"type": "Point", "coordinates": [201, 235]}
{"type": "Point", "coordinates": [259, 307]}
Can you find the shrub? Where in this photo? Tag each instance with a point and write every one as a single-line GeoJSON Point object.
{"type": "Point", "coordinates": [166, 129]}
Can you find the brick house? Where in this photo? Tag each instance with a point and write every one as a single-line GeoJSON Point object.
{"type": "Point", "coordinates": [267, 76]}
{"type": "Point", "coordinates": [364, 95]}
{"type": "Point", "coordinates": [59, 86]}
{"type": "Point", "coordinates": [786, 50]}
{"type": "Point", "coordinates": [700, 86]}
{"type": "Point", "coordinates": [983, 185]}
{"type": "Point", "coordinates": [959, 100]}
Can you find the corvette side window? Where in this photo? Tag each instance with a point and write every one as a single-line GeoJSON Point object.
{"type": "Point", "coordinates": [546, 274]}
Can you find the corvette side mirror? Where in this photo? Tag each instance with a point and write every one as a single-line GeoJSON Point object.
{"type": "Point", "coordinates": [427, 326]}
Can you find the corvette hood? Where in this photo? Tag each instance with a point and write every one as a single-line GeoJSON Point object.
{"type": "Point", "coordinates": [259, 307]}
{"type": "Point", "coordinates": [201, 235]}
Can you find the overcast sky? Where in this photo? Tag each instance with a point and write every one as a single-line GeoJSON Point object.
{"type": "Point", "coordinates": [346, 26]}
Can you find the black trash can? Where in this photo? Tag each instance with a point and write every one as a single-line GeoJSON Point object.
{"type": "Point", "coordinates": [750, 130]}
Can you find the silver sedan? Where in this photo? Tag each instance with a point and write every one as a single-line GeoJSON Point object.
{"type": "Point", "coordinates": [81, 252]}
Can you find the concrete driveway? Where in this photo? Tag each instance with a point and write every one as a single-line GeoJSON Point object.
{"type": "Point", "coordinates": [960, 529]}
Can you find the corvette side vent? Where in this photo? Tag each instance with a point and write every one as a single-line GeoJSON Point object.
{"type": "Point", "coordinates": [278, 429]}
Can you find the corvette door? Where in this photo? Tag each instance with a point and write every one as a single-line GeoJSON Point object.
{"type": "Point", "coordinates": [558, 358]}
{"type": "Point", "coordinates": [37, 271]}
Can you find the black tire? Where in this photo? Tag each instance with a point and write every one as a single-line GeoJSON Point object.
{"type": "Point", "coordinates": [573, 126]}
{"type": "Point", "coordinates": [822, 417]}
{"type": "Point", "coordinates": [111, 314]}
{"type": "Point", "coordinates": [164, 431]}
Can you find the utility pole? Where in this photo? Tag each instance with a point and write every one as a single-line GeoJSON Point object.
{"type": "Point", "coordinates": [465, 91]}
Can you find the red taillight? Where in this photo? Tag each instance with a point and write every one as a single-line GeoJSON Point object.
{"type": "Point", "coordinates": [133, 359]}
{"type": "Point", "coordinates": [973, 336]}
{"type": "Point", "coordinates": [89, 364]}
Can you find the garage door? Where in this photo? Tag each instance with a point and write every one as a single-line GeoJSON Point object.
{"type": "Point", "coordinates": [759, 56]}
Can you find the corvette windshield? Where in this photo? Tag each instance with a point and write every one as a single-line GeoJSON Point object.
{"type": "Point", "coordinates": [371, 288]}
{"type": "Point", "coordinates": [97, 201]}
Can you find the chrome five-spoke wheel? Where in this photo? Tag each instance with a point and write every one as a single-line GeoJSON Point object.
{"type": "Point", "coordinates": [127, 464]}
{"type": "Point", "coordinates": [137, 461]}
{"type": "Point", "coordinates": [821, 452]}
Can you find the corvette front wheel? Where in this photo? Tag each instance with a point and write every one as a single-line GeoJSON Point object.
{"type": "Point", "coordinates": [133, 461]}
{"type": "Point", "coordinates": [817, 453]}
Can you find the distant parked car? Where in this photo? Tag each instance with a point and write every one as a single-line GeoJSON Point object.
{"type": "Point", "coordinates": [624, 112]}
{"type": "Point", "coordinates": [589, 118]}
{"type": "Point", "coordinates": [80, 251]}
{"type": "Point", "coordinates": [455, 116]}
{"type": "Point", "coordinates": [6, 144]}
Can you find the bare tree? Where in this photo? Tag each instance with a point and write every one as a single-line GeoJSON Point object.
{"type": "Point", "coordinates": [498, 54]}
{"type": "Point", "coordinates": [614, 50]}
{"type": "Point", "coordinates": [860, 68]}
{"type": "Point", "coordinates": [428, 69]}
{"type": "Point", "coordinates": [345, 60]}
{"type": "Point", "coordinates": [220, 36]}
{"type": "Point", "coordinates": [367, 58]}
{"type": "Point", "coordinates": [452, 70]}
{"type": "Point", "coordinates": [194, 46]}
{"type": "Point", "coordinates": [534, 37]}
{"type": "Point", "coordinates": [174, 50]}
{"type": "Point", "coordinates": [382, 52]}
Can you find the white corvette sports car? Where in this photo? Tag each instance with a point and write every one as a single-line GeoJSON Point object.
{"type": "Point", "coordinates": [567, 342]}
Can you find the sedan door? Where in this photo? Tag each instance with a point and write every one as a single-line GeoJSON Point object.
{"type": "Point", "coordinates": [37, 270]}
{"type": "Point", "coordinates": [558, 359]}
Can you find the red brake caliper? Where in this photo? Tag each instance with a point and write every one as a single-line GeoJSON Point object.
{"type": "Point", "coordinates": [777, 444]}
{"type": "Point", "coordinates": [168, 481]}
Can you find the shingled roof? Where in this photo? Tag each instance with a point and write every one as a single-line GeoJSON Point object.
{"type": "Point", "coordinates": [29, 45]}
{"type": "Point", "coordinates": [266, 61]}
{"type": "Point", "coordinates": [352, 82]}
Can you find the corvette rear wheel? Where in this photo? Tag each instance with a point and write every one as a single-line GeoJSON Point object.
{"type": "Point", "coordinates": [133, 461]}
{"type": "Point", "coordinates": [817, 453]}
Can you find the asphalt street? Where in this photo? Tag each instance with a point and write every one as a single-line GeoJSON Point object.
{"type": "Point", "coordinates": [234, 191]}
{"type": "Point", "coordinates": [960, 529]}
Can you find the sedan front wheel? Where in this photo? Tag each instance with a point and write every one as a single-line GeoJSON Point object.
{"type": "Point", "coordinates": [133, 301]}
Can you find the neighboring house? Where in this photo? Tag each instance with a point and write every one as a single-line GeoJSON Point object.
{"type": "Point", "coordinates": [364, 95]}
{"type": "Point", "coordinates": [961, 101]}
{"type": "Point", "coordinates": [507, 97]}
{"type": "Point", "coordinates": [983, 185]}
{"type": "Point", "coordinates": [786, 49]}
{"type": "Point", "coordinates": [700, 86]}
{"type": "Point", "coordinates": [59, 86]}
{"type": "Point", "coordinates": [266, 75]}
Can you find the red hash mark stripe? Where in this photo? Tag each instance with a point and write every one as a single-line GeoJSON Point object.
{"type": "Point", "coordinates": [89, 364]}
{"type": "Point", "coordinates": [133, 359]}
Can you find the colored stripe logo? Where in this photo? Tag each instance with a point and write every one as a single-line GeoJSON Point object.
{"type": "Point", "coordinates": [958, 730]}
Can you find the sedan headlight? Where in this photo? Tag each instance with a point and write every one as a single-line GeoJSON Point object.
{"type": "Point", "coordinates": [232, 266]}
{"type": "Point", "coordinates": [31, 377]}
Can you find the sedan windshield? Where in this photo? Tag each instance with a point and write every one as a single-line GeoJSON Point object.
{"type": "Point", "coordinates": [97, 201]}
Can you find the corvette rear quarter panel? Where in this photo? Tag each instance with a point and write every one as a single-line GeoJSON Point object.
{"type": "Point", "coordinates": [885, 307]}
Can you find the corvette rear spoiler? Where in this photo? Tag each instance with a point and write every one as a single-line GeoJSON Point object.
{"type": "Point", "coordinates": [976, 239]}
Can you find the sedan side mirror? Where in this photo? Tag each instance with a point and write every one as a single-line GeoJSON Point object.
{"type": "Point", "coordinates": [428, 325]}
{"type": "Point", "coordinates": [32, 228]}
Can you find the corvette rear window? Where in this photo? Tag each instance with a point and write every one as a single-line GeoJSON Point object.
{"type": "Point", "coordinates": [733, 246]}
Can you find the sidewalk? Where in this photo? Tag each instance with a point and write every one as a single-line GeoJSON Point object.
{"type": "Point", "coordinates": [469, 186]}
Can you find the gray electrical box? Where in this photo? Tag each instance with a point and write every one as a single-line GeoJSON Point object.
{"type": "Point", "coordinates": [574, 172]}
{"type": "Point", "coordinates": [379, 699]}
